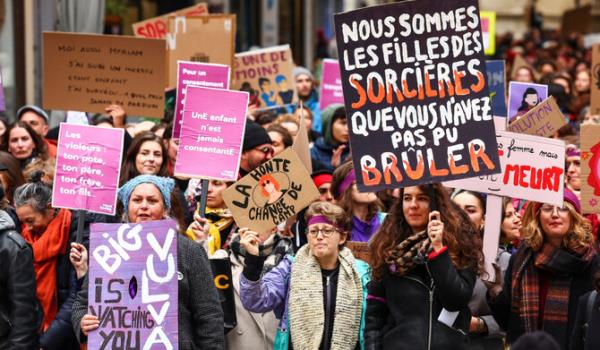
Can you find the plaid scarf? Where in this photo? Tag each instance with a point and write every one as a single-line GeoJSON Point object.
{"type": "Point", "coordinates": [275, 248]}
{"type": "Point", "coordinates": [526, 287]}
{"type": "Point", "coordinates": [401, 258]}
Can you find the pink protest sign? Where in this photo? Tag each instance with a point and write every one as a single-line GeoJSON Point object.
{"type": "Point", "coordinates": [87, 168]}
{"type": "Point", "coordinates": [331, 84]}
{"type": "Point", "coordinates": [211, 133]}
{"type": "Point", "coordinates": [197, 74]}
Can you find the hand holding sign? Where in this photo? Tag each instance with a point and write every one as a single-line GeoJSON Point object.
{"type": "Point", "coordinates": [200, 228]}
{"type": "Point", "coordinates": [435, 230]}
{"type": "Point", "coordinates": [89, 323]}
{"type": "Point", "coordinates": [249, 241]}
{"type": "Point", "coordinates": [79, 259]}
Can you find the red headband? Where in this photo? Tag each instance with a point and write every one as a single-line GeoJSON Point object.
{"type": "Point", "coordinates": [322, 179]}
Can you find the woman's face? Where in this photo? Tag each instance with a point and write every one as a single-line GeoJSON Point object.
{"type": "Point", "coordinates": [582, 81]}
{"type": "Point", "coordinates": [511, 225]}
{"type": "Point", "coordinates": [269, 186]}
{"type": "Point", "coordinates": [20, 143]}
{"type": "Point", "coordinates": [564, 83]}
{"type": "Point", "coordinates": [149, 158]}
{"type": "Point", "coordinates": [555, 221]}
{"type": "Point", "coordinates": [291, 127]}
{"type": "Point", "coordinates": [472, 206]}
{"type": "Point", "coordinates": [146, 204]}
{"type": "Point", "coordinates": [35, 221]}
{"type": "Point", "coordinates": [531, 100]}
{"type": "Point", "coordinates": [362, 197]}
{"type": "Point", "coordinates": [322, 246]}
{"type": "Point", "coordinates": [214, 199]}
{"type": "Point", "coordinates": [2, 129]}
{"type": "Point", "coordinates": [523, 75]}
{"type": "Point", "coordinates": [415, 206]}
{"type": "Point", "coordinates": [277, 141]}
{"type": "Point", "coordinates": [339, 130]}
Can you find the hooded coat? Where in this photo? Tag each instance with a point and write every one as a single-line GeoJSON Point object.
{"type": "Point", "coordinates": [325, 145]}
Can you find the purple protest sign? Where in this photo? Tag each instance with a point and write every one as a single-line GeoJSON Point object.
{"type": "Point", "coordinates": [88, 162]}
{"type": "Point", "coordinates": [211, 134]}
{"type": "Point", "coordinates": [133, 285]}
{"type": "Point", "coordinates": [331, 84]}
{"type": "Point", "coordinates": [197, 74]}
{"type": "Point", "coordinates": [523, 97]}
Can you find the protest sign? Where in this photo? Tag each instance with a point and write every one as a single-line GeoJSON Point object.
{"type": "Point", "coordinates": [211, 133]}
{"type": "Point", "coordinates": [208, 39]}
{"type": "Point", "coordinates": [496, 80]}
{"type": "Point", "coordinates": [302, 144]}
{"type": "Point", "coordinates": [221, 269]}
{"type": "Point", "coordinates": [77, 117]}
{"type": "Point", "coordinates": [271, 193]}
{"type": "Point", "coordinates": [269, 72]}
{"type": "Point", "coordinates": [595, 86]}
{"type": "Point", "coordinates": [523, 97]}
{"type": "Point", "coordinates": [88, 163]}
{"type": "Point", "coordinates": [360, 250]}
{"type": "Point", "coordinates": [577, 20]}
{"type": "Point", "coordinates": [2, 100]}
{"type": "Point", "coordinates": [412, 124]}
{"type": "Point", "coordinates": [157, 27]}
{"type": "Point", "coordinates": [331, 84]}
{"type": "Point", "coordinates": [488, 31]}
{"type": "Point", "coordinates": [543, 120]}
{"type": "Point", "coordinates": [133, 285]}
{"type": "Point", "coordinates": [532, 169]}
{"type": "Point", "coordinates": [85, 72]}
{"type": "Point", "coordinates": [590, 168]}
{"type": "Point", "coordinates": [197, 74]}
{"type": "Point", "coordinates": [491, 233]}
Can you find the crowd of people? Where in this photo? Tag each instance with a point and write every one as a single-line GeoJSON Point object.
{"type": "Point", "coordinates": [299, 286]}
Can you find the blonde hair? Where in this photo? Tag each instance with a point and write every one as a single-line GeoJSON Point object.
{"type": "Point", "coordinates": [578, 238]}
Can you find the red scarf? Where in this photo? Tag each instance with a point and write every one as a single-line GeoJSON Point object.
{"type": "Point", "coordinates": [46, 249]}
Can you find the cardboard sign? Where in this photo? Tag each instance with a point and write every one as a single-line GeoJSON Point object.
{"type": "Point", "coordinates": [488, 30]}
{"type": "Point", "coordinates": [577, 20]}
{"type": "Point", "coordinates": [331, 84]}
{"type": "Point", "coordinates": [532, 169]}
{"type": "Point", "coordinates": [302, 144]}
{"type": "Point", "coordinates": [208, 39]}
{"type": "Point", "coordinates": [271, 193]}
{"type": "Point", "coordinates": [212, 133]}
{"type": "Point", "coordinates": [133, 285]}
{"type": "Point", "coordinates": [543, 120]}
{"type": "Point", "coordinates": [590, 168]}
{"type": "Point", "coordinates": [523, 97]}
{"type": "Point", "coordinates": [269, 72]}
{"type": "Point", "coordinates": [221, 269]}
{"type": "Point", "coordinates": [197, 74]}
{"type": "Point", "coordinates": [595, 86]}
{"type": "Point", "coordinates": [85, 72]}
{"type": "Point", "coordinates": [360, 250]}
{"type": "Point", "coordinates": [157, 27]}
{"type": "Point", "coordinates": [413, 123]}
{"type": "Point", "coordinates": [496, 80]}
{"type": "Point", "coordinates": [88, 163]}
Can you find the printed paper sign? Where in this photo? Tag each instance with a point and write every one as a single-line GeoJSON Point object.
{"type": "Point", "coordinates": [488, 30]}
{"type": "Point", "coordinates": [197, 74]}
{"type": "Point", "coordinates": [85, 72]}
{"type": "Point", "coordinates": [269, 73]}
{"type": "Point", "coordinates": [133, 285]}
{"type": "Point", "coordinates": [212, 133]}
{"type": "Point", "coordinates": [331, 84]}
{"type": "Point", "coordinates": [208, 39]}
{"type": "Point", "coordinates": [88, 163]}
{"type": "Point", "coordinates": [496, 80]}
{"type": "Point", "coordinates": [523, 97]}
{"type": "Point", "coordinates": [157, 27]}
{"type": "Point", "coordinates": [271, 193]}
{"type": "Point", "coordinates": [590, 168]}
{"type": "Point", "coordinates": [595, 87]}
{"type": "Point", "coordinates": [532, 169]}
{"type": "Point", "coordinates": [543, 120]}
{"type": "Point", "coordinates": [418, 106]}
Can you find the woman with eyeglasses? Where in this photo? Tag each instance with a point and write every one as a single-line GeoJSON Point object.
{"type": "Point", "coordinates": [319, 295]}
{"type": "Point", "coordinates": [552, 268]}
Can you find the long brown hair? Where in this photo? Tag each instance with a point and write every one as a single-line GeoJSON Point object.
{"type": "Point", "coordinates": [12, 175]}
{"type": "Point", "coordinates": [41, 149]}
{"type": "Point", "coordinates": [460, 236]}
{"type": "Point", "coordinates": [128, 170]}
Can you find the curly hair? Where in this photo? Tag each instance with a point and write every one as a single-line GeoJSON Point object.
{"type": "Point", "coordinates": [578, 238]}
{"type": "Point", "coordinates": [460, 236]}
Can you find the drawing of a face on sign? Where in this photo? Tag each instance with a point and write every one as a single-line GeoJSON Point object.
{"type": "Point", "coordinates": [270, 189]}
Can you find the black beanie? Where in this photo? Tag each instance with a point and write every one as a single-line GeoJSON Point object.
{"type": "Point", "coordinates": [255, 135]}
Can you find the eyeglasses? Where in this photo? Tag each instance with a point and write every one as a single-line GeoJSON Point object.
{"type": "Point", "coordinates": [549, 209]}
{"type": "Point", "coordinates": [327, 232]}
{"type": "Point", "coordinates": [266, 150]}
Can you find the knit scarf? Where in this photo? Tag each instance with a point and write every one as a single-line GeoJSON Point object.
{"type": "Point", "coordinates": [306, 309]}
{"type": "Point", "coordinates": [46, 249]}
{"type": "Point", "coordinates": [218, 220]}
{"type": "Point", "coordinates": [401, 258]}
{"type": "Point", "coordinates": [526, 287]}
{"type": "Point", "coordinates": [275, 248]}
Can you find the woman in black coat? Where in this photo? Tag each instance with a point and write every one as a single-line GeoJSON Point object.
{"type": "Point", "coordinates": [425, 263]}
{"type": "Point", "coordinates": [586, 332]}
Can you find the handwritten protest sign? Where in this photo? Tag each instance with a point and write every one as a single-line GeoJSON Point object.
{"type": "Point", "coordinates": [133, 285]}
{"type": "Point", "coordinates": [488, 30]}
{"type": "Point", "coordinates": [208, 39]}
{"type": "Point", "coordinates": [331, 84]}
{"type": "Point", "coordinates": [269, 72]}
{"type": "Point", "coordinates": [157, 27]}
{"type": "Point", "coordinates": [496, 80]}
{"type": "Point", "coordinates": [271, 193]}
{"type": "Point", "coordinates": [85, 72]}
{"type": "Point", "coordinates": [543, 120]}
{"type": "Point", "coordinates": [491, 233]}
{"type": "Point", "coordinates": [532, 169]}
{"type": "Point", "coordinates": [590, 168]}
{"type": "Point", "coordinates": [302, 144]}
{"type": "Point", "coordinates": [88, 162]}
{"type": "Point", "coordinates": [211, 133]}
{"type": "Point", "coordinates": [197, 74]}
{"type": "Point", "coordinates": [414, 123]}
{"type": "Point", "coordinates": [595, 86]}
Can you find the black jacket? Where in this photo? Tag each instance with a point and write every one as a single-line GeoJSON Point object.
{"type": "Point", "coordinates": [592, 333]}
{"type": "Point", "coordinates": [18, 300]}
{"type": "Point", "coordinates": [403, 311]}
